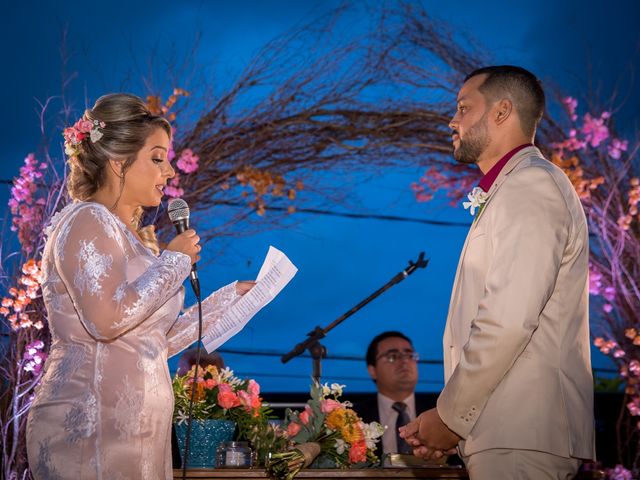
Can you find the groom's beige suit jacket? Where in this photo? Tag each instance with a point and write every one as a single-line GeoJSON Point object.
{"type": "Point", "coordinates": [516, 343]}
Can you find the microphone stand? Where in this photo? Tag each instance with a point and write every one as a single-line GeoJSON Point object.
{"type": "Point", "coordinates": [312, 343]}
{"type": "Point", "coordinates": [195, 284]}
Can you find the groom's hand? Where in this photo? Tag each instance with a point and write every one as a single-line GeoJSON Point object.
{"type": "Point", "coordinates": [429, 436]}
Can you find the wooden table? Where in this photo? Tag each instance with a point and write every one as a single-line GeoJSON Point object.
{"type": "Point", "coordinates": [426, 473]}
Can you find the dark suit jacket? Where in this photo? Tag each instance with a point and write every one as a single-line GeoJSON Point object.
{"type": "Point", "coordinates": [367, 409]}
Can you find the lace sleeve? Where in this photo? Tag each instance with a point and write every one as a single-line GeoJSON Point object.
{"type": "Point", "coordinates": [185, 330]}
{"type": "Point", "coordinates": [91, 258]}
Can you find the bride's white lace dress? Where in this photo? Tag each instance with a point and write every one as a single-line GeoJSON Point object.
{"type": "Point", "coordinates": [103, 408]}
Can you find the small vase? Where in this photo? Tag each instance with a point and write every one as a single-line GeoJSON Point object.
{"type": "Point", "coordinates": [206, 435]}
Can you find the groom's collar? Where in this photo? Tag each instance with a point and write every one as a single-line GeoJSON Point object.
{"type": "Point", "coordinates": [490, 177]}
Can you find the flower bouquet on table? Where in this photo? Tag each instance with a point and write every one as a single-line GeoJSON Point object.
{"type": "Point", "coordinates": [219, 395]}
{"type": "Point", "coordinates": [327, 434]}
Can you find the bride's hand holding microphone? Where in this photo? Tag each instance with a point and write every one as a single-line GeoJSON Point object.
{"type": "Point", "coordinates": [187, 242]}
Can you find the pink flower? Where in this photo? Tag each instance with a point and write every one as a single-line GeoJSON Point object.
{"type": "Point", "coordinates": [616, 147]}
{"type": "Point", "coordinates": [27, 211]}
{"type": "Point", "coordinates": [595, 281]}
{"type": "Point", "coordinates": [32, 349]}
{"type": "Point", "coordinates": [306, 415]}
{"type": "Point", "coordinates": [173, 188]}
{"type": "Point", "coordinates": [609, 294]}
{"type": "Point", "coordinates": [84, 126]}
{"type": "Point", "coordinates": [328, 405]}
{"type": "Point", "coordinates": [572, 143]}
{"type": "Point", "coordinates": [34, 357]}
{"type": "Point", "coordinates": [173, 192]}
{"type": "Point", "coordinates": [250, 402]}
{"type": "Point", "coordinates": [226, 397]}
{"type": "Point", "coordinates": [619, 473]}
{"type": "Point", "coordinates": [210, 383]}
{"type": "Point", "coordinates": [594, 129]}
{"type": "Point", "coordinates": [253, 388]}
{"type": "Point", "coordinates": [607, 308]}
{"type": "Point", "coordinates": [293, 429]}
{"type": "Point", "coordinates": [188, 161]}
{"type": "Point", "coordinates": [73, 136]}
{"type": "Point", "coordinates": [571, 104]}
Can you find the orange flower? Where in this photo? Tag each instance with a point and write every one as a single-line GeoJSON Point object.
{"type": "Point", "coordinates": [352, 432]}
{"type": "Point", "coordinates": [336, 419]}
{"type": "Point", "coordinates": [199, 396]}
{"type": "Point", "coordinates": [358, 452]}
{"type": "Point", "coordinates": [346, 422]}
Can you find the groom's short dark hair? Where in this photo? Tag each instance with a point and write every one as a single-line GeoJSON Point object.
{"type": "Point", "coordinates": [518, 85]}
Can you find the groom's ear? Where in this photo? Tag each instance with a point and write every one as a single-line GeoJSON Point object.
{"type": "Point", "coordinates": [502, 110]}
{"type": "Point", "coordinates": [372, 372]}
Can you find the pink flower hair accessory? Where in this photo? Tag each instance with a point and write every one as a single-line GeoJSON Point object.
{"type": "Point", "coordinates": [74, 136]}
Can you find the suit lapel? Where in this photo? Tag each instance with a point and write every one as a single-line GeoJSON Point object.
{"type": "Point", "coordinates": [507, 169]}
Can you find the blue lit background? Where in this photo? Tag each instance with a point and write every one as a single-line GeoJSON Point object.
{"type": "Point", "coordinates": [586, 50]}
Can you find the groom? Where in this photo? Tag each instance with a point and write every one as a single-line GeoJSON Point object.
{"type": "Point", "coordinates": [518, 395]}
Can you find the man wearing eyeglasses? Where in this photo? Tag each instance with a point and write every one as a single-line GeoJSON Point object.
{"type": "Point", "coordinates": [393, 366]}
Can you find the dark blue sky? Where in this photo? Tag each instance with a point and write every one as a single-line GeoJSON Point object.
{"type": "Point", "coordinates": [580, 47]}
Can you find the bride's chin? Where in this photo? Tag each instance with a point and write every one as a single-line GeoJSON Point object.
{"type": "Point", "coordinates": [152, 203]}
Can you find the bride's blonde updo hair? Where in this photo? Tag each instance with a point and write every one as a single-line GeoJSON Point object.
{"type": "Point", "coordinates": [128, 122]}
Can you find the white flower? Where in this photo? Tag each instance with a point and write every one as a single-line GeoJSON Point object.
{"type": "Point", "coordinates": [476, 198]}
{"type": "Point", "coordinates": [181, 417]}
{"type": "Point", "coordinates": [371, 431]}
{"type": "Point", "coordinates": [69, 149]}
{"type": "Point", "coordinates": [227, 376]}
{"type": "Point", "coordinates": [341, 446]}
{"type": "Point", "coordinates": [336, 389]}
{"type": "Point", "coordinates": [326, 391]}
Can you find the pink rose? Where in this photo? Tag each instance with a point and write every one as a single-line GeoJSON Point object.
{"type": "Point", "coordinates": [226, 397]}
{"type": "Point", "coordinates": [84, 126]}
{"type": "Point", "coordinates": [329, 405]}
{"type": "Point", "coordinates": [293, 429]}
{"type": "Point", "coordinates": [73, 136]}
{"type": "Point", "coordinates": [210, 383]}
{"type": "Point", "coordinates": [253, 388]}
{"type": "Point", "coordinates": [245, 399]}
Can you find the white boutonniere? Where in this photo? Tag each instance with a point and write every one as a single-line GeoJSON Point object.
{"type": "Point", "coordinates": [477, 197]}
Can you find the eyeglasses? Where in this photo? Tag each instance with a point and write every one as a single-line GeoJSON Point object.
{"type": "Point", "coordinates": [394, 356]}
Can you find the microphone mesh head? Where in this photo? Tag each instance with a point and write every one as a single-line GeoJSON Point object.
{"type": "Point", "coordinates": [178, 210]}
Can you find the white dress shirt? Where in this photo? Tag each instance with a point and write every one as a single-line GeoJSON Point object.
{"type": "Point", "coordinates": [388, 417]}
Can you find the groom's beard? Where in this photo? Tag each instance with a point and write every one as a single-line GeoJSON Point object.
{"type": "Point", "coordinates": [476, 140]}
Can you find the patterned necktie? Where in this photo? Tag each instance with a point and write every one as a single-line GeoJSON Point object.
{"type": "Point", "coordinates": [403, 419]}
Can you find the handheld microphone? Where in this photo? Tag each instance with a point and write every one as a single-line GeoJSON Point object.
{"type": "Point", "coordinates": [178, 211]}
